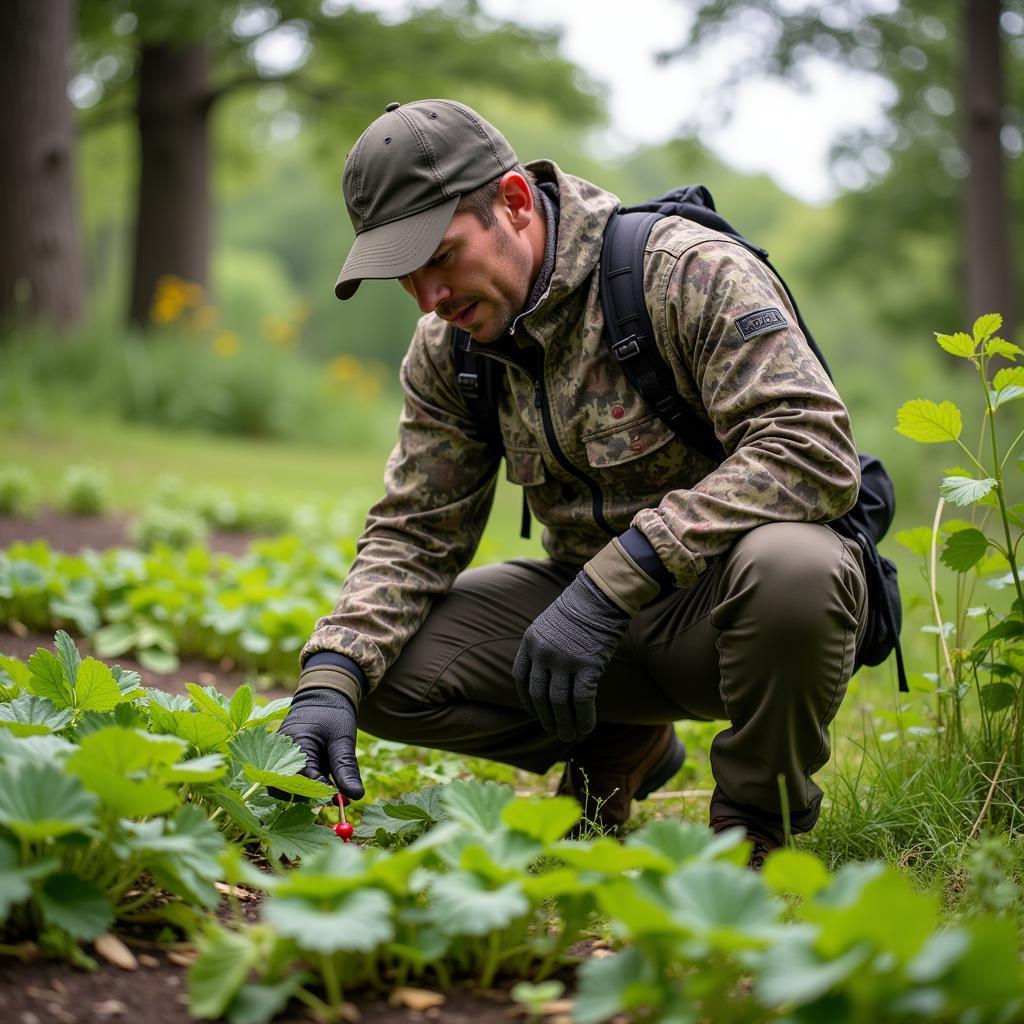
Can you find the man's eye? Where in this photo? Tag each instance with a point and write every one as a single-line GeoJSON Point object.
{"type": "Point", "coordinates": [441, 259]}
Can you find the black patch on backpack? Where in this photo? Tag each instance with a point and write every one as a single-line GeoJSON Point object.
{"type": "Point", "coordinates": [761, 321]}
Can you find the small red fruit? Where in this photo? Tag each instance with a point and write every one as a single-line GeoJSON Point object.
{"type": "Point", "coordinates": [343, 830]}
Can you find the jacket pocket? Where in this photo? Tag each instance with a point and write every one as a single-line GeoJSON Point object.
{"type": "Point", "coordinates": [525, 468]}
{"type": "Point", "coordinates": [626, 443]}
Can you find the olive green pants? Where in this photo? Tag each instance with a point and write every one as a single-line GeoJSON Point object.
{"type": "Point", "coordinates": [764, 641]}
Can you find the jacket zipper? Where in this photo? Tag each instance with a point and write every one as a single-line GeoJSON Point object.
{"type": "Point", "coordinates": [596, 497]}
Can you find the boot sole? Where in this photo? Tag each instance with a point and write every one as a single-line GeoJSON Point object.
{"type": "Point", "coordinates": [672, 763]}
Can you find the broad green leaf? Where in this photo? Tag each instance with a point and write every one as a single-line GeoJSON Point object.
{"type": "Point", "coordinates": [1008, 629]}
{"type": "Point", "coordinates": [17, 670]}
{"type": "Point", "coordinates": [234, 808]}
{"type": "Point", "coordinates": [241, 706]}
{"type": "Point", "coordinates": [608, 857]}
{"type": "Point", "coordinates": [1000, 347]}
{"type": "Point", "coordinates": [546, 819]}
{"type": "Point", "coordinates": [795, 871]}
{"type": "Point", "coordinates": [294, 833]}
{"type": "Point", "coordinates": [1011, 376]}
{"type": "Point", "coordinates": [48, 679]}
{"type": "Point", "coordinates": [77, 906]}
{"type": "Point", "coordinates": [477, 805]}
{"type": "Point", "coordinates": [643, 914]}
{"type": "Point", "coordinates": [224, 961]}
{"type": "Point", "coordinates": [990, 973]}
{"type": "Point", "coordinates": [45, 749]}
{"type": "Point", "coordinates": [680, 842]}
{"type": "Point", "coordinates": [39, 801]}
{"type": "Point", "coordinates": [792, 973]}
{"type": "Point", "coordinates": [69, 656]}
{"type": "Point", "coordinates": [962, 490]}
{"type": "Point", "coordinates": [376, 816]}
{"type": "Point", "coordinates": [555, 882]}
{"type": "Point", "coordinates": [298, 785]}
{"type": "Point", "coordinates": [958, 344]}
{"type": "Point", "coordinates": [96, 689]}
{"type": "Point", "coordinates": [331, 872]}
{"type": "Point", "coordinates": [269, 713]}
{"type": "Point", "coordinates": [128, 682]}
{"type": "Point", "coordinates": [406, 812]}
{"type": "Point", "coordinates": [154, 659]}
{"type": "Point", "coordinates": [610, 986]}
{"type": "Point", "coordinates": [964, 549]}
{"type": "Point", "coordinates": [356, 921]}
{"type": "Point", "coordinates": [258, 1003]}
{"type": "Point", "coordinates": [29, 715]}
{"type": "Point", "coordinates": [114, 640]}
{"type": "Point", "coordinates": [16, 880]}
{"type": "Point", "coordinates": [201, 731]}
{"type": "Point", "coordinates": [183, 853]}
{"type": "Point", "coordinates": [126, 769]}
{"type": "Point", "coordinates": [197, 769]}
{"type": "Point", "coordinates": [986, 325]}
{"type": "Point", "coordinates": [1009, 394]}
{"type": "Point", "coordinates": [268, 751]}
{"type": "Point", "coordinates": [462, 904]}
{"type": "Point", "coordinates": [918, 539]}
{"type": "Point", "coordinates": [998, 696]}
{"type": "Point", "coordinates": [207, 705]}
{"type": "Point", "coordinates": [722, 901]}
{"type": "Point", "coordinates": [929, 423]}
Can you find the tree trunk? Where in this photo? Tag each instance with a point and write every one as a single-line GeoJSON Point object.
{"type": "Point", "coordinates": [986, 206]}
{"type": "Point", "coordinates": [172, 227]}
{"type": "Point", "coordinates": [41, 268]}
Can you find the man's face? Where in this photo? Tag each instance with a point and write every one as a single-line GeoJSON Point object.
{"type": "Point", "coordinates": [478, 277]}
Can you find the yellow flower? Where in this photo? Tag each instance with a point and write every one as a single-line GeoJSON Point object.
{"type": "Point", "coordinates": [227, 344]}
{"type": "Point", "coordinates": [344, 369]}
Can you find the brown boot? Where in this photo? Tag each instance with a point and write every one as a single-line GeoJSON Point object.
{"type": "Point", "coordinates": [764, 841]}
{"type": "Point", "coordinates": [615, 765]}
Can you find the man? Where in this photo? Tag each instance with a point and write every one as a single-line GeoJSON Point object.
{"type": "Point", "coordinates": [675, 587]}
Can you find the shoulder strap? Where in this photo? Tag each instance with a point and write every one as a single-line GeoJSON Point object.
{"type": "Point", "coordinates": [631, 334]}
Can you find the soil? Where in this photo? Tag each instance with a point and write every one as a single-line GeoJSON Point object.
{"type": "Point", "coordinates": [156, 992]}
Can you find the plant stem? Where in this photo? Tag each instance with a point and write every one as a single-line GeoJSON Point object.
{"type": "Point", "coordinates": [933, 588]}
{"type": "Point", "coordinates": [331, 983]}
{"type": "Point", "coordinates": [988, 798]}
{"type": "Point", "coordinates": [245, 796]}
{"type": "Point", "coordinates": [493, 955]}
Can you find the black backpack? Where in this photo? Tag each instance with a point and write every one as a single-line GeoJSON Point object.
{"type": "Point", "coordinates": [630, 335]}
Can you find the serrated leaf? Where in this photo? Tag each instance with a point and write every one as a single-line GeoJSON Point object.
{"type": "Point", "coordinates": [925, 421]}
{"type": "Point", "coordinates": [1010, 375]}
{"type": "Point", "coordinates": [1000, 347]}
{"type": "Point", "coordinates": [477, 804]}
{"type": "Point", "coordinates": [224, 961]}
{"type": "Point", "coordinates": [17, 671]}
{"type": "Point", "coordinates": [986, 325]}
{"type": "Point", "coordinates": [96, 689]}
{"type": "Point", "coordinates": [201, 731]}
{"type": "Point", "coordinates": [44, 749]}
{"type": "Point", "coordinates": [998, 696]}
{"type": "Point", "coordinates": [268, 713]}
{"type": "Point", "coordinates": [39, 801]}
{"type": "Point", "coordinates": [1008, 629]}
{"type": "Point", "coordinates": [234, 808]}
{"type": "Point", "coordinates": [958, 344]}
{"type": "Point", "coordinates": [918, 540]}
{"type": "Point", "coordinates": [197, 769]}
{"type": "Point", "coordinates": [29, 715]}
{"type": "Point", "coordinates": [294, 834]}
{"type": "Point", "coordinates": [356, 921]}
{"type": "Point", "coordinates": [48, 679]}
{"type": "Point", "coordinates": [961, 490]}
{"type": "Point", "coordinates": [241, 705]}
{"type": "Point", "coordinates": [128, 682]}
{"type": "Point", "coordinates": [270, 751]}
{"type": "Point", "coordinates": [69, 656]}
{"type": "Point", "coordinates": [298, 785]}
{"type": "Point", "coordinates": [207, 705]}
{"type": "Point", "coordinates": [964, 550]}
{"type": "Point", "coordinates": [76, 906]}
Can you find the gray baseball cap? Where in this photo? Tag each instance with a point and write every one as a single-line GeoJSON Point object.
{"type": "Point", "coordinates": [403, 180]}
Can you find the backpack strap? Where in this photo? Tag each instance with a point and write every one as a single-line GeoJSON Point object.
{"type": "Point", "coordinates": [630, 332]}
{"type": "Point", "coordinates": [479, 380]}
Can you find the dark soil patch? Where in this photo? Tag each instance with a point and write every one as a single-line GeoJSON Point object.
{"type": "Point", "coordinates": [72, 534]}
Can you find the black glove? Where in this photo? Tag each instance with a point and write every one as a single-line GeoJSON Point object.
{"type": "Point", "coordinates": [564, 654]}
{"type": "Point", "coordinates": [323, 723]}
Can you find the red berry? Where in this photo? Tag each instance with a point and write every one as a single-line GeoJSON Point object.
{"type": "Point", "coordinates": [343, 830]}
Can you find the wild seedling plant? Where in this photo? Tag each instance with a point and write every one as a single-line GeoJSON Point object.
{"type": "Point", "coordinates": [979, 644]}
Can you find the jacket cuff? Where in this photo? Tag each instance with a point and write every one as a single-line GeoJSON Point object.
{"type": "Point", "coordinates": [331, 677]}
{"type": "Point", "coordinates": [621, 579]}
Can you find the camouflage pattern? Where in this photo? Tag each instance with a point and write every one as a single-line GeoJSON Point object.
{"type": "Point", "coordinates": [791, 454]}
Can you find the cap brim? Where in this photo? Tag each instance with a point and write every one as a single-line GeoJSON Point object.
{"type": "Point", "coordinates": [395, 249]}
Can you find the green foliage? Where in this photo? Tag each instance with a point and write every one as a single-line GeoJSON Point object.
{"type": "Point", "coordinates": [17, 492]}
{"type": "Point", "coordinates": [84, 491]}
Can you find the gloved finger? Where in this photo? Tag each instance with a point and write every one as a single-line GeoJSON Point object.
{"type": "Point", "coordinates": [521, 673]}
{"type": "Point", "coordinates": [585, 701]}
{"type": "Point", "coordinates": [345, 767]}
{"type": "Point", "coordinates": [560, 690]}
{"type": "Point", "coordinates": [312, 769]}
{"type": "Point", "coordinates": [540, 696]}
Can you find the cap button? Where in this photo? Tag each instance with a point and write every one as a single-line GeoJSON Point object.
{"type": "Point", "coordinates": [391, 106]}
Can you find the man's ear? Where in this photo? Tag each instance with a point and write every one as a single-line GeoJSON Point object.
{"type": "Point", "coordinates": [515, 200]}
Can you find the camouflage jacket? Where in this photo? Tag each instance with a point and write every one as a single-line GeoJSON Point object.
{"type": "Point", "coordinates": [594, 459]}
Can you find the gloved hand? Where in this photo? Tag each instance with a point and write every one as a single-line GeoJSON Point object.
{"type": "Point", "coordinates": [323, 723]}
{"type": "Point", "coordinates": [564, 654]}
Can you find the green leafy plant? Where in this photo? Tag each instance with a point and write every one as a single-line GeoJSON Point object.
{"type": "Point", "coordinates": [18, 492]}
{"type": "Point", "coordinates": [84, 491]}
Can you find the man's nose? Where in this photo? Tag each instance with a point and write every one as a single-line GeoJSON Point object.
{"type": "Point", "coordinates": [427, 290]}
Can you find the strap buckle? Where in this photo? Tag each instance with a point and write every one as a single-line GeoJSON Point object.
{"type": "Point", "coordinates": [627, 348]}
{"type": "Point", "coordinates": [469, 383]}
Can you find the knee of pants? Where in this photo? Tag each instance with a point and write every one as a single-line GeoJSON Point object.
{"type": "Point", "coordinates": [794, 579]}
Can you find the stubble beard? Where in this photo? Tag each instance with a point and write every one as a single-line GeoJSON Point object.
{"type": "Point", "coordinates": [508, 306]}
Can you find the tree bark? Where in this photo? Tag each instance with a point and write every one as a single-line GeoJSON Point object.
{"type": "Point", "coordinates": [172, 226]}
{"type": "Point", "coordinates": [41, 267]}
{"type": "Point", "coordinates": [988, 220]}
